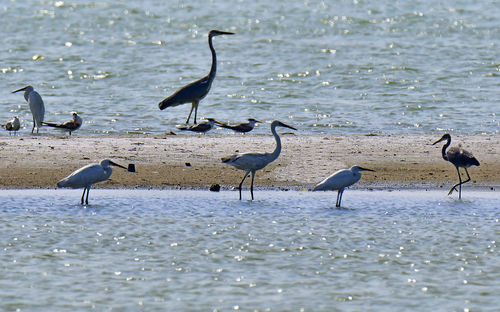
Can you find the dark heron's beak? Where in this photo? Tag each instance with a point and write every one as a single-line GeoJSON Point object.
{"type": "Point", "coordinates": [287, 126]}
{"type": "Point", "coordinates": [22, 89]}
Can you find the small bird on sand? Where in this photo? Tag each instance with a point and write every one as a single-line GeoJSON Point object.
{"type": "Point", "coordinates": [459, 158]}
{"type": "Point", "coordinates": [202, 127]}
{"type": "Point", "coordinates": [36, 105]}
{"type": "Point", "coordinates": [339, 180]}
{"type": "Point", "coordinates": [70, 125]}
{"type": "Point", "coordinates": [12, 125]}
{"type": "Point", "coordinates": [241, 127]}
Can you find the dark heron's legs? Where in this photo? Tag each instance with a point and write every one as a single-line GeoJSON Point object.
{"type": "Point", "coordinates": [87, 198]}
{"type": "Point", "coordinates": [454, 187]}
{"type": "Point", "coordinates": [83, 194]}
{"type": "Point", "coordinates": [33, 129]}
{"type": "Point", "coordinates": [241, 183]}
{"type": "Point", "coordinates": [194, 106]}
{"type": "Point", "coordinates": [251, 185]}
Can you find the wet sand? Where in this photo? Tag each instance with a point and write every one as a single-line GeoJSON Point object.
{"type": "Point", "coordinates": [193, 161]}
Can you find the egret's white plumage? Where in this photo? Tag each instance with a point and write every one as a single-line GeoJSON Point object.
{"type": "Point", "coordinates": [339, 180]}
{"type": "Point", "coordinates": [36, 105]}
{"type": "Point", "coordinates": [88, 175]}
{"type": "Point", "coordinates": [70, 125]}
{"type": "Point", "coordinates": [12, 125]}
{"type": "Point", "coordinates": [251, 162]}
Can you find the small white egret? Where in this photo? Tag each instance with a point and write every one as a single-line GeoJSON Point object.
{"type": "Point", "coordinates": [36, 105]}
{"type": "Point", "coordinates": [251, 162]}
{"type": "Point", "coordinates": [339, 180]}
{"type": "Point", "coordinates": [459, 158]}
{"type": "Point", "coordinates": [197, 90]}
{"type": "Point", "coordinates": [241, 127]}
{"type": "Point", "coordinates": [88, 175]}
{"type": "Point", "coordinates": [12, 125]}
{"type": "Point", "coordinates": [202, 127]}
{"type": "Point", "coordinates": [70, 125]}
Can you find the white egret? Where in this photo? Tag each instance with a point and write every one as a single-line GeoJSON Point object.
{"type": "Point", "coordinates": [88, 175]}
{"type": "Point", "coordinates": [70, 125]}
{"type": "Point", "coordinates": [241, 127]}
{"type": "Point", "coordinates": [251, 162]}
{"type": "Point", "coordinates": [339, 180]}
{"type": "Point", "coordinates": [12, 125]}
{"type": "Point", "coordinates": [459, 158]}
{"type": "Point", "coordinates": [36, 105]}
{"type": "Point", "coordinates": [202, 127]}
{"type": "Point", "coordinates": [195, 91]}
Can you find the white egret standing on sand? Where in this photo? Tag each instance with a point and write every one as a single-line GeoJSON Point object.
{"type": "Point", "coordinates": [459, 158]}
{"type": "Point", "coordinates": [339, 180]}
{"type": "Point", "coordinates": [12, 125]}
{"type": "Point", "coordinates": [35, 103]}
{"type": "Point", "coordinates": [195, 91]}
{"type": "Point", "coordinates": [251, 162]}
{"type": "Point", "coordinates": [202, 127]}
{"type": "Point", "coordinates": [241, 127]}
{"type": "Point", "coordinates": [88, 175]}
{"type": "Point", "coordinates": [70, 125]}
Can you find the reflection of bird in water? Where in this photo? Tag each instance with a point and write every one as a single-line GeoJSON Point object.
{"type": "Point", "coordinates": [70, 125]}
{"type": "Point", "coordinates": [251, 162]}
{"type": "Point", "coordinates": [12, 125]}
{"type": "Point", "coordinates": [88, 175]}
{"type": "Point", "coordinates": [202, 127]}
{"type": "Point", "coordinates": [459, 158]}
{"type": "Point", "coordinates": [339, 180]}
{"type": "Point", "coordinates": [195, 91]}
{"type": "Point", "coordinates": [241, 127]}
{"type": "Point", "coordinates": [36, 105]}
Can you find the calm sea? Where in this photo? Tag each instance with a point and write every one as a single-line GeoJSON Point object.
{"type": "Point", "coordinates": [151, 250]}
{"type": "Point", "coordinates": [323, 66]}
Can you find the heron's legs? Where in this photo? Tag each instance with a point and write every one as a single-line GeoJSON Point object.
{"type": "Point", "coordinates": [83, 194]}
{"type": "Point", "coordinates": [33, 129]}
{"type": "Point", "coordinates": [339, 197]}
{"type": "Point", "coordinates": [460, 183]}
{"type": "Point", "coordinates": [87, 198]}
{"type": "Point", "coordinates": [241, 183]}
{"type": "Point", "coordinates": [251, 185]}
{"type": "Point", "coordinates": [194, 105]}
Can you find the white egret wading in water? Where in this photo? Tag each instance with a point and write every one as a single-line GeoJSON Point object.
{"type": "Point", "coordinates": [202, 127]}
{"type": "Point", "coordinates": [459, 158]}
{"type": "Point", "coordinates": [241, 127]}
{"type": "Point", "coordinates": [339, 180]}
{"type": "Point", "coordinates": [195, 91]}
{"type": "Point", "coordinates": [12, 125]}
{"type": "Point", "coordinates": [70, 125]}
{"type": "Point", "coordinates": [88, 175]}
{"type": "Point", "coordinates": [251, 162]}
{"type": "Point", "coordinates": [36, 105]}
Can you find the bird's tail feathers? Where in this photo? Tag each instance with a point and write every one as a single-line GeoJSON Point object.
{"type": "Point", "coordinates": [51, 124]}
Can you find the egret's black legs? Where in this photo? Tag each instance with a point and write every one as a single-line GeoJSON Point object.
{"type": "Point", "coordinates": [251, 185]}
{"type": "Point", "coordinates": [241, 183]}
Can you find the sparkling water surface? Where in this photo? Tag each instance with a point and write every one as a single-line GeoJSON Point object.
{"type": "Point", "coordinates": [323, 66]}
{"type": "Point", "coordinates": [156, 250]}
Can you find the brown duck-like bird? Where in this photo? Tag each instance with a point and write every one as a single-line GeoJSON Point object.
{"type": "Point", "coordinates": [460, 158]}
{"type": "Point", "coordinates": [241, 127]}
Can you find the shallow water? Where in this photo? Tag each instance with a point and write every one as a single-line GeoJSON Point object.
{"type": "Point", "coordinates": [342, 67]}
{"type": "Point", "coordinates": [155, 250]}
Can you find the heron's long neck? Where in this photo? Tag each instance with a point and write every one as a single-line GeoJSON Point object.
{"type": "Point", "coordinates": [277, 150]}
{"type": "Point", "coordinates": [213, 69]}
{"type": "Point", "coordinates": [443, 151]}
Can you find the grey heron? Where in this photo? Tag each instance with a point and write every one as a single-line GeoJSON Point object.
{"type": "Point", "coordinates": [339, 180]}
{"type": "Point", "coordinates": [241, 127]}
{"type": "Point", "coordinates": [202, 127]}
{"type": "Point", "coordinates": [12, 125]}
{"type": "Point", "coordinates": [88, 175]}
{"type": "Point", "coordinates": [70, 125]}
{"type": "Point", "coordinates": [36, 105]}
{"type": "Point", "coordinates": [195, 91]}
{"type": "Point", "coordinates": [460, 158]}
{"type": "Point", "coordinates": [251, 162]}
